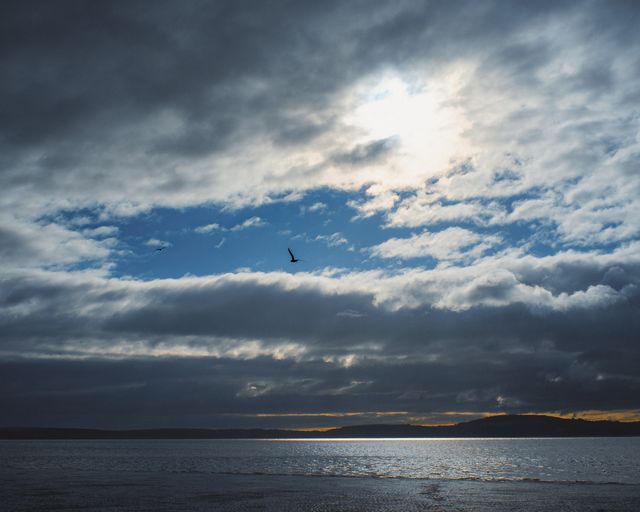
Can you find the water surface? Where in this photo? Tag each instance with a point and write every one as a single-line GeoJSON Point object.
{"type": "Point", "coordinates": [560, 460]}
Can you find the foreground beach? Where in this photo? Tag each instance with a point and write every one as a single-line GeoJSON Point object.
{"type": "Point", "coordinates": [38, 490]}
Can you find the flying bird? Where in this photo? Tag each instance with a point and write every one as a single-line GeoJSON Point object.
{"type": "Point", "coordinates": [293, 258]}
{"type": "Point", "coordinates": [160, 249]}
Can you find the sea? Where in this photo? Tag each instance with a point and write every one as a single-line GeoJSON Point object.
{"type": "Point", "coordinates": [338, 474]}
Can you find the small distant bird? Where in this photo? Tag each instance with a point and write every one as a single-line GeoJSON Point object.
{"type": "Point", "coordinates": [293, 258]}
{"type": "Point", "coordinates": [160, 249]}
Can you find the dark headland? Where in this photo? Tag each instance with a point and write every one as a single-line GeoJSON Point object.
{"type": "Point", "coordinates": [494, 426]}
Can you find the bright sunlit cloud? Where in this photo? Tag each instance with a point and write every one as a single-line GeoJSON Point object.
{"type": "Point", "coordinates": [420, 117]}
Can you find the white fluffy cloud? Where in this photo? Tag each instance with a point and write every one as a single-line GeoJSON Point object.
{"type": "Point", "coordinates": [207, 228]}
{"type": "Point", "coordinates": [252, 222]}
{"type": "Point", "coordinates": [332, 240]}
{"type": "Point", "coordinates": [47, 244]}
{"type": "Point", "coordinates": [449, 244]}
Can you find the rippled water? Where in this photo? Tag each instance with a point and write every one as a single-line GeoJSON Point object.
{"type": "Point", "coordinates": [596, 460]}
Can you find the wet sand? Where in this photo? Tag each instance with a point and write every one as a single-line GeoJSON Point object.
{"type": "Point", "coordinates": [37, 490]}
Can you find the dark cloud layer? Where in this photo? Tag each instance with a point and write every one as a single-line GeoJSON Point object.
{"type": "Point", "coordinates": [222, 392]}
{"type": "Point", "coordinates": [277, 345]}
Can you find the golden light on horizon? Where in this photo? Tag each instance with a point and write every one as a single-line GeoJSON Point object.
{"type": "Point", "coordinates": [624, 415]}
{"type": "Point", "coordinates": [443, 418]}
{"type": "Point", "coordinates": [329, 414]}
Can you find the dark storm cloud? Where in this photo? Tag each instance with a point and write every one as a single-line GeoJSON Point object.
{"type": "Point", "coordinates": [212, 392]}
{"type": "Point", "coordinates": [311, 310]}
{"type": "Point", "coordinates": [71, 64]}
{"type": "Point", "coordinates": [366, 153]}
{"type": "Point", "coordinates": [92, 85]}
{"type": "Point", "coordinates": [81, 70]}
{"type": "Point", "coordinates": [307, 355]}
{"type": "Point", "coordinates": [92, 93]}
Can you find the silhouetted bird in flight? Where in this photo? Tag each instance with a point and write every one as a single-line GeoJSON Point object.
{"type": "Point", "coordinates": [160, 249]}
{"type": "Point", "coordinates": [293, 258]}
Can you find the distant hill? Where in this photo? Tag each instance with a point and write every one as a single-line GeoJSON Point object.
{"type": "Point", "coordinates": [498, 426]}
{"type": "Point", "coordinates": [494, 426]}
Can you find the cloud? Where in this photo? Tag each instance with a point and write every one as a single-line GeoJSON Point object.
{"type": "Point", "coordinates": [288, 306]}
{"type": "Point", "coordinates": [228, 134]}
{"type": "Point", "coordinates": [252, 222]}
{"type": "Point", "coordinates": [368, 153]}
{"type": "Point", "coordinates": [208, 228]}
{"type": "Point", "coordinates": [423, 211]}
{"type": "Point", "coordinates": [351, 313]}
{"type": "Point", "coordinates": [182, 137]}
{"type": "Point", "coordinates": [101, 231]}
{"type": "Point", "coordinates": [448, 244]}
{"type": "Point", "coordinates": [332, 240]}
{"type": "Point", "coordinates": [318, 206]}
{"type": "Point", "coordinates": [378, 200]}
{"type": "Point", "coordinates": [44, 244]}
{"type": "Point", "coordinates": [154, 242]}
{"type": "Point", "coordinates": [505, 316]}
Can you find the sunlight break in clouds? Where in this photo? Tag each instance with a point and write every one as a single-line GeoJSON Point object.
{"type": "Point", "coordinates": [421, 120]}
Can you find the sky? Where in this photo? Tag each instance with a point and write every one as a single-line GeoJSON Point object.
{"type": "Point", "coordinates": [459, 179]}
